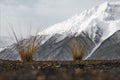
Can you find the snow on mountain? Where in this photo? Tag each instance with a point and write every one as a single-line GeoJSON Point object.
{"type": "Point", "coordinates": [104, 16]}
{"type": "Point", "coordinates": [1, 49]}
{"type": "Point", "coordinates": [99, 22]}
{"type": "Point", "coordinates": [92, 28]}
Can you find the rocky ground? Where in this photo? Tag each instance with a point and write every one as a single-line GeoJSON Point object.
{"type": "Point", "coordinates": [56, 70]}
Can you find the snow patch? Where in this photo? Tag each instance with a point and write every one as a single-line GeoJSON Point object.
{"type": "Point", "coordinates": [1, 49]}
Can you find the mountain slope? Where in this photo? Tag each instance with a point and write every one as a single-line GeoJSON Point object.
{"type": "Point", "coordinates": [99, 23]}
{"type": "Point", "coordinates": [110, 47]}
{"type": "Point", "coordinates": [91, 28]}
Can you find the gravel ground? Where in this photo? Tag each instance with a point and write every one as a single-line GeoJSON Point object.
{"type": "Point", "coordinates": [56, 70]}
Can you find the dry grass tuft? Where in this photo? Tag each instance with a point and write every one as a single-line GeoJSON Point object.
{"type": "Point", "coordinates": [76, 50]}
{"type": "Point", "coordinates": [26, 48]}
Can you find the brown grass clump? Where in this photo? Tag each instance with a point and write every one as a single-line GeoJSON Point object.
{"type": "Point", "coordinates": [76, 50]}
{"type": "Point", "coordinates": [26, 48]}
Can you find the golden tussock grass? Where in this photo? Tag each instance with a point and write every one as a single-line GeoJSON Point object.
{"type": "Point", "coordinates": [26, 48]}
{"type": "Point", "coordinates": [76, 50]}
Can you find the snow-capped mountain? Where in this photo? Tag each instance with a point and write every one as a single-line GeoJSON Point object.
{"type": "Point", "coordinates": [104, 17]}
{"type": "Point", "coordinates": [99, 23]}
{"type": "Point", "coordinates": [92, 28]}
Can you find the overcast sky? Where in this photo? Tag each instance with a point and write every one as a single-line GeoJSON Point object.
{"type": "Point", "coordinates": [39, 14]}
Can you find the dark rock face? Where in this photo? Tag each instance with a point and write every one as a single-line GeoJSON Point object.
{"type": "Point", "coordinates": [109, 49]}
